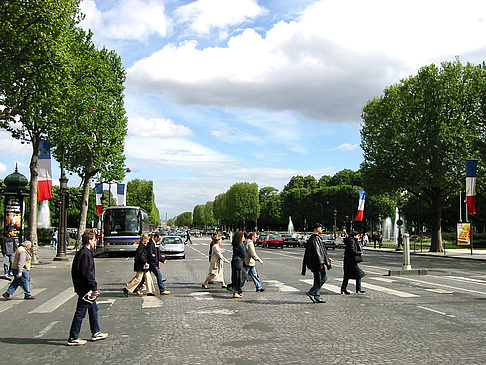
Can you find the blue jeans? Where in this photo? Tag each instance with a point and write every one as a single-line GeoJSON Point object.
{"type": "Point", "coordinates": [320, 277]}
{"type": "Point", "coordinates": [81, 308]}
{"type": "Point", "coordinates": [160, 281]}
{"type": "Point", "coordinates": [251, 270]}
{"type": "Point", "coordinates": [23, 281]}
{"type": "Point", "coordinates": [54, 244]}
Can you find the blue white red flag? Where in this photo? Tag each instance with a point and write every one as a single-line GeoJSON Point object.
{"type": "Point", "coordinates": [99, 194]}
{"type": "Point", "coordinates": [44, 173]}
{"type": "Point", "coordinates": [361, 204]}
{"type": "Point", "coordinates": [471, 168]}
{"type": "Point", "coordinates": [120, 195]}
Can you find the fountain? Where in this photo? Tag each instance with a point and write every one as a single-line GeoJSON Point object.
{"type": "Point", "coordinates": [291, 226]}
{"type": "Point", "coordinates": [44, 215]}
{"type": "Point", "coordinates": [387, 229]}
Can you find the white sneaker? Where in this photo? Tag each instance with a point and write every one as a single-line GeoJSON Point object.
{"type": "Point", "coordinates": [99, 336]}
{"type": "Point", "coordinates": [76, 342]}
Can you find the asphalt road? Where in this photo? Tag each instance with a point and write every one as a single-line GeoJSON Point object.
{"type": "Point", "coordinates": [432, 319]}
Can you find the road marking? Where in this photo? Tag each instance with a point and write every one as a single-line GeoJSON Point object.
{"type": "Point", "coordinates": [213, 311]}
{"type": "Point", "coordinates": [436, 311]}
{"type": "Point", "coordinates": [46, 329]}
{"type": "Point", "coordinates": [151, 302]}
{"type": "Point", "coordinates": [332, 288]}
{"type": "Point", "coordinates": [383, 289]}
{"type": "Point", "coordinates": [281, 286]}
{"type": "Point", "coordinates": [55, 302]}
{"type": "Point", "coordinates": [440, 291]}
{"type": "Point", "coordinates": [203, 295]}
{"type": "Point", "coordinates": [444, 286]}
{"type": "Point", "coordinates": [385, 280]}
{"type": "Point", "coordinates": [460, 278]}
{"type": "Point", "coordinates": [7, 305]}
{"type": "Point", "coordinates": [106, 301]}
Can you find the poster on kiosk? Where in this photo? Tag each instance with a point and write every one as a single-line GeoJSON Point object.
{"type": "Point", "coordinates": [464, 234]}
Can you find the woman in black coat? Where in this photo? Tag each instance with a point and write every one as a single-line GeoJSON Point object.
{"type": "Point", "coordinates": [141, 266]}
{"type": "Point", "coordinates": [352, 256]}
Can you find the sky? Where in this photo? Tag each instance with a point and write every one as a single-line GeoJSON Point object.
{"type": "Point", "coordinates": [227, 91]}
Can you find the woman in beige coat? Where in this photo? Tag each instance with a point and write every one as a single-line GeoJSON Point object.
{"type": "Point", "coordinates": [216, 263]}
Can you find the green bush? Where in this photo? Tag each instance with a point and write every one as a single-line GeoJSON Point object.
{"type": "Point", "coordinates": [44, 236]}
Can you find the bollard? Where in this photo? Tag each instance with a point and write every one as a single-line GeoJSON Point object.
{"type": "Point", "coordinates": [406, 252]}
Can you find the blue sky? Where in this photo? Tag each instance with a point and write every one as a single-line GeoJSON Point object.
{"type": "Point", "coordinates": [225, 91]}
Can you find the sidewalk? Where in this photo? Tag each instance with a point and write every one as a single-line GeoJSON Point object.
{"type": "Point", "coordinates": [457, 253]}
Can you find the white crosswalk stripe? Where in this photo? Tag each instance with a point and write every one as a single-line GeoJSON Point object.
{"type": "Point", "coordinates": [281, 286]}
{"type": "Point", "coordinates": [55, 302]}
{"type": "Point", "coordinates": [332, 288]}
{"type": "Point", "coordinates": [204, 295]}
{"type": "Point", "coordinates": [151, 302]}
{"type": "Point", "coordinates": [383, 289]}
{"type": "Point", "coordinates": [14, 302]}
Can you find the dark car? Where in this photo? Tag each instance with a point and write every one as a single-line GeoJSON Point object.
{"type": "Point", "coordinates": [260, 239]}
{"type": "Point", "coordinates": [330, 242]}
{"type": "Point", "coordinates": [273, 240]}
{"type": "Point", "coordinates": [290, 240]}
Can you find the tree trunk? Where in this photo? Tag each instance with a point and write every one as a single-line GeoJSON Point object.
{"type": "Point", "coordinates": [33, 201]}
{"type": "Point", "coordinates": [84, 210]}
{"type": "Point", "coordinates": [436, 220]}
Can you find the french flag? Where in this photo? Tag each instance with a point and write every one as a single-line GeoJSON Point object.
{"type": "Point", "coordinates": [362, 196]}
{"type": "Point", "coordinates": [471, 168]}
{"type": "Point", "coordinates": [120, 194]}
{"type": "Point", "coordinates": [44, 173]}
{"type": "Point", "coordinates": [99, 194]}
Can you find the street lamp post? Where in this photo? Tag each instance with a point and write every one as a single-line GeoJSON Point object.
{"type": "Point", "coordinates": [62, 246]}
{"type": "Point", "coordinates": [399, 225]}
{"type": "Point", "coordinates": [335, 216]}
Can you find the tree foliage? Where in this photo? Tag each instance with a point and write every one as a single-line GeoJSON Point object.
{"type": "Point", "coordinates": [417, 136]}
{"type": "Point", "coordinates": [141, 193]}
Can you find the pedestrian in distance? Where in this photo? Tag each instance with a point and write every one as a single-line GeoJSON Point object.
{"type": "Point", "coordinates": [54, 239]}
{"type": "Point", "coordinates": [20, 269]}
{"type": "Point", "coordinates": [317, 261]}
{"type": "Point", "coordinates": [85, 285]}
{"type": "Point", "coordinates": [250, 260]}
{"type": "Point", "coordinates": [141, 266]}
{"type": "Point", "coordinates": [238, 273]}
{"type": "Point", "coordinates": [352, 256]}
{"type": "Point", "coordinates": [154, 258]}
{"type": "Point", "coordinates": [9, 246]}
{"type": "Point", "coordinates": [188, 237]}
{"type": "Point", "coordinates": [216, 263]}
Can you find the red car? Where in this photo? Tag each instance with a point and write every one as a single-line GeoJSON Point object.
{"type": "Point", "coordinates": [273, 240]}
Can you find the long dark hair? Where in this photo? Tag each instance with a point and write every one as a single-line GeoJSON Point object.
{"type": "Point", "coordinates": [237, 238]}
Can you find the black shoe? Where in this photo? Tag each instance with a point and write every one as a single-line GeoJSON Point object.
{"type": "Point", "coordinates": [361, 291]}
{"type": "Point", "coordinates": [345, 292]}
{"type": "Point", "coordinates": [6, 296]}
{"type": "Point", "coordinates": [319, 300]}
{"type": "Point", "coordinates": [164, 280]}
{"type": "Point", "coordinates": [229, 287]}
{"type": "Point", "coordinates": [260, 290]}
{"type": "Point", "coordinates": [311, 297]}
{"type": "Point", "coordinates": [125, 292]}
{"type": "Point", "coordinates": [150, 294]}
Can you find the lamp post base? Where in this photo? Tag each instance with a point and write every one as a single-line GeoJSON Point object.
{"type": "Point", "coordinates": [61, 257]}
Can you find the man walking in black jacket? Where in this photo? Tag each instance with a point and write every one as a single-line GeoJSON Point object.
{"type": "Point", "coordinates": [84, 281]}
{"type": "Point", "coordinates": [317, 261]}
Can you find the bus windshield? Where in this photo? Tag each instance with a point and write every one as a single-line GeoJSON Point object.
{"type": "Point", "coordinates": [122, 221]}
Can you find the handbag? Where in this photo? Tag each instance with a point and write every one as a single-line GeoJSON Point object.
{"type": "Point", "coordinates": [358, 258]}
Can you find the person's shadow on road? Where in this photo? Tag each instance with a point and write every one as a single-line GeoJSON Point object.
{"type": "Point", "coordinates": [33, 341]}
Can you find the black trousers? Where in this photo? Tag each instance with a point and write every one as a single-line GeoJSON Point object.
{"type": "Point", "coordinates": [238, 276]}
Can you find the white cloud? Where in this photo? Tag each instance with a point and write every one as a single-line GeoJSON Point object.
{"type": "Point", "coordinates": [345, 147]}
{"type": "Point", "coordinates": [156, 127]}
{"type": "Point", "coordinates": [325, 65]}
{"type": "Point", "coordinates": [3, 169]}
{"type": "Point", "coordinates": [204, 15]}
{"type": "Point", "coordinates": [174, 152]}
{"type": "Point", "coordinates": [9, 145]}
{"type": "Point", "coordinates": [129, 19]}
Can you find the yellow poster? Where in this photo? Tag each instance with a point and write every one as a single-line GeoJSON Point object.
{"type": "Point", "coordinates": [464, 234]}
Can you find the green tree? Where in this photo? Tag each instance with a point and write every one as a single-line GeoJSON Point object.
{"type": "Point", "coordinates": [208, 214]}
{"type": "Point", "coordinates": [184, 219]}
{"type": "Point", "coordinates": [34, 69]}
{"type": "Point", "coordinates": [220, 208]}
{"type": "Point", "coordinates": [417, 136]}
{"type": "Point", "coordinates": [141, 193]}
{"type": "Point", "coordinates": [198, 215]}
{"type": "Point", "coordinates": [242, 203]}
{"type": "Point", "coordinates": [346, 177]}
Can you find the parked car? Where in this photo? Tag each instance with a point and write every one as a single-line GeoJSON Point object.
{"type": "Point", "coordinates": [172, 246]}
{"type": "Point", "coordinates": [303, 239]}
{"type": "Point", "coordinates": [260, 239]}
{"type": "Point", "coordinates": [290, 240]}
{"type": "Point", "coordinates": [329, 242]}
{"type": "Point", "coordinates": [273, 240]}
{"type": "Point", "coordinates": [339, 242]}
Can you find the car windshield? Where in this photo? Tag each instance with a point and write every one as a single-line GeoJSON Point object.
{"type": "Point", "coordinates": [276, 237]}
{"type": "Point", "coordinates": [122, 221]}
{"type": "Point", "coordinates": [287, 236]}
{"type": "Point", "coordinates": [171, 241]}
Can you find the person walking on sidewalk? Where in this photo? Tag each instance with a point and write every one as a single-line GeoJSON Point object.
{"type": "Point", "coordinates": [238, 274]}
{"type": "Point", "coordinates": [154, 258]}
{"type": "Point", "coordinates": [352, 256]}
{"type": "Point", "coordinates": [84, 282]}
{"type": "Point", "coordinates": [20, 269]}
{"type": "Point", "coordinates": [141, 266]}
{"type": "Point", "coordinates": [54, 239]}
{"type": "Point", "coordinates": [317, 261]}
{"type": "Point", "coordinates": [216, 263]}
{"type": "Point", "coordinates": [9, 246]}
{"type": "Point", "coordinates": [250, 259]}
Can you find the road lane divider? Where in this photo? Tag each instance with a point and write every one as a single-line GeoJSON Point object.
{"type": "Point", "coordinates": [14, 302]}
{"type": "Point", "coordinates": [55, 302]}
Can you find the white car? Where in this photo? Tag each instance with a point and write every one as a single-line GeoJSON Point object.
{"type": "Point", "coordinates": [172, 246]}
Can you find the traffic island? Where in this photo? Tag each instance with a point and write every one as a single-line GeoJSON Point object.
{"type": "Point", "coordinates": [404, 272]}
